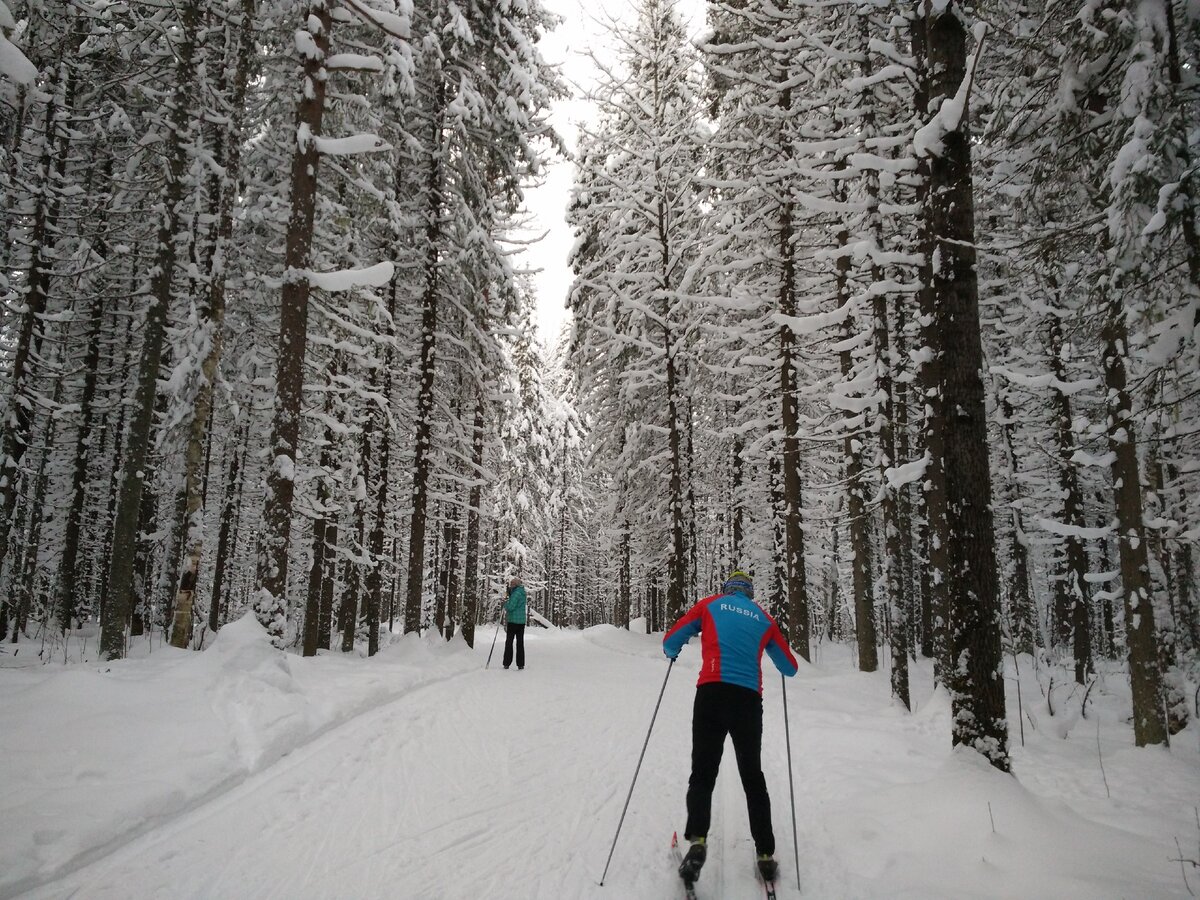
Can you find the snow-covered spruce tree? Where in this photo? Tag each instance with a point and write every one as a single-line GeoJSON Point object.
{"type": "Point", "coordinates": [639, 217]}
{"type": "Point", "coordinates": [235, 60]}
{"type": "Point", "coordinates": [1098, 136]}
{"type": "Point", "coordinates": [482, 95]}
{"type": "Point", "coordinates": [316, 65]}
{"type": "Point", "coordinates": [753, 56]}
{"type": "Point", "coordinates": [974, 675]}
{"type": "Point", "coordinates": [180, 129]}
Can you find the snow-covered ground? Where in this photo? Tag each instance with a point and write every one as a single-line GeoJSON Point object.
{"type": "Point", "coordinates": [241, 772]}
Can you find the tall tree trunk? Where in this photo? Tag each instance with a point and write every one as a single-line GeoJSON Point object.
{"type": "Point", "coordinates": [214, 315]}
{"type": "Point", "coordinates": [1073, 600]}
{"type": "Point", "coordinates": [471, 579]}
{"type": "Point", "coordinates": [1140, 634]}
{"type": "Point", "coordinates": [270, 605]}
{"type": "Point", "coordinates": [452, 582]}
{"type": "Point", "coordinates": [935, 614]}
{"type": "Point", "coordinates": [328, 585]}
{"type": "Point", "coordinates": [976, 677]}
{"type": "Point", "coordinates": [232, 501]}
{"type": "Point", "coordinates": [68, 602]}
{"type": "Point", "coordinates": [135, 472]}
{"type": "Point", "coordinates": [677, 562]}
{"type": "Point", "coordinates": [735, 506]}
{"type": "Point", "coordinates": [885, 413]}
{"type": "Point", "coordinates": [378, 526]}
{"type": "Point", "coordinates": [861, 579]}
{"type": "Point", "coordinates": [904, 504]}
{"type": "Point", "coordinates": [796, 578]}
{"type": "Point", "coordinates": [414, 596]}
{"type": "Point", "coordinates": [18, 420]}
{"type": "Point", "coordinates": [321, 548]}
{"type": "Point", "coordinates": [1020, 602]}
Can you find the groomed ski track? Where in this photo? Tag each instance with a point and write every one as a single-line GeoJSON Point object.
{"type": "Point", "coordinates": [491, 784]}
{"type": "Point", "coordinates": [507, 785]}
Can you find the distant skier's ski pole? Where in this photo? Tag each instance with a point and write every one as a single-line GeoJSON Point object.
{"type": "Point", "coordinates": [494, 636]}
{"type": "Point", "coordinates": [787, 730]}
{"type": "Point", "coordinates": [646, 744]}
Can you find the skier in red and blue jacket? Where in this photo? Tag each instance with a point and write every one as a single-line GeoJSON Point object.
{"type": "Point", "coordinates": [734, 632]}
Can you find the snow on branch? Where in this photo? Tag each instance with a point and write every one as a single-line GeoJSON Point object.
{"type": "Point", "coordinates": [1036, 382]}
{"type": "Point", "coordinates": [930, 138]}
{"type": "Point", "coordinates": [355, 62]}
{"type": "Point", "coordinates": [1062, 529]}
{"type": "Point", "coordinates": [349, 146]}
{"type": "Point", "coordinates": [347, 279]}
{"type": "Point", "coordinates": [908, 473]}
{"type": "Point", "coordinates": [13, 63]}
{"type": "Point", "coordinates": [397, 26]}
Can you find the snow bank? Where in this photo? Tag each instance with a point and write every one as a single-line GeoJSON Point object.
{"type": "Point", "coordinates": [489, 775]}
{"type": "Point", "coordinates": [98, 755]}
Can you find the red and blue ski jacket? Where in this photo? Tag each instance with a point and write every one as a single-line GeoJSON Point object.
{"type": "Point", "coordinates": [734, 631]}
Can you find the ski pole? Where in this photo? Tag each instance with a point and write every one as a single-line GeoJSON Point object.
{"type": "Point", "coordinates": [787, 730]}
{"type": "Point", "coordinates": [635, 771]}
{"type": "Point", "coordinates": [494, 636]}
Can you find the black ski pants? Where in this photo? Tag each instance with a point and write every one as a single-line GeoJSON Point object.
{"type": "Point", "coordinates": [514, 632]}
{"type": "Point", "coordinates": [727, 709]}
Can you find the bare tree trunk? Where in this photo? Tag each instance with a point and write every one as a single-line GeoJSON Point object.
{"type": "Point", "coordinates": [976, 679]}
{"type": "Point", "coordinates": [272, 571]}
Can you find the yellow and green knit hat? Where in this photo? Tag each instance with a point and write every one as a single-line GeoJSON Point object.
{"type": "Point", "coordinates": [739, 583]}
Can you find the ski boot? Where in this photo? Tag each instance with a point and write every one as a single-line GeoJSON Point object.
{"type": "Point", "coordinates": [693, 861]}
{"type": "Point", "coordinates": [768, 869]}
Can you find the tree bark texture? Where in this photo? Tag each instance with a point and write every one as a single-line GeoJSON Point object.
{"type": "Point", "coordinates": [975, 677]}
{"type": "Point", "coordinates": [414, 595]}
{"type": "Point", "coordinates": [272, 571]}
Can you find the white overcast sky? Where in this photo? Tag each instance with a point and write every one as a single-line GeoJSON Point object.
{"type": "Point", "coordinates": [582, 29]}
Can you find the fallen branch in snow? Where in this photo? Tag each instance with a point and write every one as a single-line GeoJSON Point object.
{"type": "Point", "coordinates": [1181, 859]}
{"type": "Point", "coordinates": [1100, 756]}
{"type": "Point", "coordinates": [1083, 704]}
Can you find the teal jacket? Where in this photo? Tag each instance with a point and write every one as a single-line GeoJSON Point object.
{"type": "Point", "coordinates": [514, 606]}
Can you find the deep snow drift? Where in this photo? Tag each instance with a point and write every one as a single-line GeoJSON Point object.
{"type": "Point", "coordinates": [244, 772]}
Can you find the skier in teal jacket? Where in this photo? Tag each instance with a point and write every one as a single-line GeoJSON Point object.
{"type": "Point", "coordinates": [514, 615]}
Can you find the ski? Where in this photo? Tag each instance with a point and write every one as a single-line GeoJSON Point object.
{"type": "Point", "coordinates": [689, 889]}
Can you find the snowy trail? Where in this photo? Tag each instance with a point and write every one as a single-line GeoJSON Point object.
{"type": "Point", "coordinates": [494, 783]}
{"type": "Point", "coordinates": [508, 785]}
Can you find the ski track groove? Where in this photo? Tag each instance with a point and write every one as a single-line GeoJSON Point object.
{"type": "Point", "coordinates": [518, 798]}
{"type": "Point", "coordinates": [153, 825]}
{"type": "Point", "coordinates": [510, 724]}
